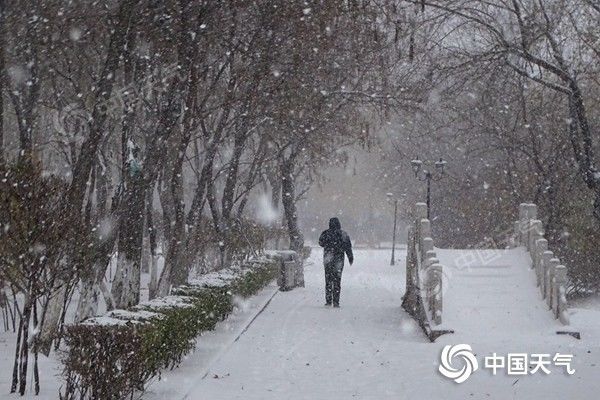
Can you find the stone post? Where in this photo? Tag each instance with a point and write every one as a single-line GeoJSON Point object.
{"type": "Point", "coordinates": [530, 214]}
{"type": "Point", "coordinates": [425, 228]}
{"type": "Point", "coordinates": [554, 262]}
{"type": "Point", "coordinates": [535, 233]}
{"type": "Point", "coordinates": [437, 295]}
{"type": "Point", "coordinates": [427, 246]}
{"type": "Point", "coordinates": [429, 262]}
{"type": "Point", "coordinates": [545, 265]}
{"type": "Point", "coordinates": [523, 224]}
{"type": "Point", "coordinates": [541, 245]}
{"type": "Point", "coordinates": [560, 281]}
{"type": "Point", "coordinates": [420, 211]}
{"type": "Point", "coordinates": [517, 234]}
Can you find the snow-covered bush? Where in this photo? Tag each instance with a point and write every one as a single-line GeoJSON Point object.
{"type": "Point", "coordinates": [115, 355]}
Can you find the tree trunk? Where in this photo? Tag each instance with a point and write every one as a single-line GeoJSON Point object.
{"type": "Point", "coordinates": [50, 327]}
{"type": "Point", "coordinates": [228, 198]}
{"type": "Point", "coordinates": [104, 86]}
{"type": "Point", "coordinates": [24, 356]}
{"type": "Point", "coordinates": [152, 286]}
{"type": "Point", "coordinates": [15, 375]}
{"type": "Point", "coordinates": [288, 198]}
{"type": "Point", "coordinates": [126, 284]}
{"type": "Point", "coordinates": [193, 220]}
{"type": "Point", "coordinates": [89, 296]}
{"type": "Point", "coordinates": [91, 283]}
{"type": "Point", "coordinates": [36, 372]}
{"type": "Point", "coordinates": [2, 77]}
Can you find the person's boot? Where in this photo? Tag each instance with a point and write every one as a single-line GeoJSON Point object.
{"type": "Point", "coordinates": [328, 304]}
{"type": "Point", "coordinates": [336, 305]}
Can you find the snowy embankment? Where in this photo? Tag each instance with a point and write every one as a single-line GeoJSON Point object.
{"type": "Point", "coordinates": [51, 368]}
{"type": "Point", "coordinates": [371, 349]}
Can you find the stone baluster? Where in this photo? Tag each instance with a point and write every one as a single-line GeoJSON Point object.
{"type": "Point", "coordinates": [545, 265]}
{"type": "Point", "coordinates": [541, 245]}
{"type": "Point", "coordinates": [554, 262]}
{"type": "Point", "coordinates": [420, 213]}
{"type": "Point", "coordinates": [551, 277]}
{"type": "Point", "coordinates": [560, 304]}
{"type": "Point", "coordinates": [430, 254]}
{"type": "Point", "coordinates": [532, 211]}
{"type": "Point", "coordinates": [516, 240]}
{"type": "Point", "coordinates": [436, 296]}
{"type": "Point", "coordinates": [535, 233]}
{"type": "Point", "coordinates": [423, 286]}
{"type": "Point", "coordinates": [523, 224]}
{"type": "Point", "coordinates": [430, 282]}
{"type": "Point", "coordinates": [430, 261]}
{"type": "Point", "coordinates": [427, 245]}
{"type": "Point", "coordinates": [531, 215]}
{"type": "Point", "coordinates": [425, 229]}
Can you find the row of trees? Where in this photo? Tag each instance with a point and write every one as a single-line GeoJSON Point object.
{"type": "Point", "coordinates": [514, 109]}
{"type": "Point", "coordinates": [137, 121]}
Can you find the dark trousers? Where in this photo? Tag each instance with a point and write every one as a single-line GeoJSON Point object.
{"type": "Point", "coordinates": [333, 283]}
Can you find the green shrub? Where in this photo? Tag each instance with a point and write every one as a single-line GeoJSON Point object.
{"type": "Point", "coordinates": [115, 355]}
{"type": "Point", "coordinates": [104, 360]}
{"type": "Point", "coordinates": [254, 280]}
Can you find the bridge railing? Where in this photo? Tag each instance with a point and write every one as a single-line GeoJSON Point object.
{"type": "Point", "coordinates": [424, 278]}
{"type": "Point", "coordinates": [551, 275]}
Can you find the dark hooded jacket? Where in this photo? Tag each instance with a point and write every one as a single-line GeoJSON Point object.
{"type": "Point", "coordinates": [336, 243]}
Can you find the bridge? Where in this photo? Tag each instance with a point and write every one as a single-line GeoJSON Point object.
{"type": "Point", "coordinates": [500, 283]}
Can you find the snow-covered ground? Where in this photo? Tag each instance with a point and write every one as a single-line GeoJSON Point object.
{"type": "Point", "coordinates": [502, 301]}
{"type": "Point", "coordinates": [370, 348]}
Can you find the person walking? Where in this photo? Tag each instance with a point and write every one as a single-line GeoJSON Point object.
{"type": "Point", "coordinates": [336, 244]}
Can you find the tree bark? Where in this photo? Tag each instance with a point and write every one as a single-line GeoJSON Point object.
{"type": "Point", "coordinates": [2, 77]}
{"type": "Point", "coordinates": [53, 312]}
{"type": "Point", "coordinates": [24, 356]}
{"type": "Point", "coordinates": [15, 375]}
{"type": "Point", "coordinates": [89, 148]}
{"type": "Point", "coordinates": [126, 284]}
{"type": "Point", "coordinates": [152, 286]}
{"type": "Point", "coordinates": [288, 199]}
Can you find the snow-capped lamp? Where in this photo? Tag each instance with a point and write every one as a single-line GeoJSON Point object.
{"type": "Point", "coordinates": [427, 175]}
{"type": "Point", "coordinates": [439, 165]}
{"type": "Point", "coordinates": [416, 165]}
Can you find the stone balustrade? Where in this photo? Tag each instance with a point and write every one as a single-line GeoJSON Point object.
{"type": "Point", "coordinates": [551, 275]}
{"type": "Point", "coordinates": [424, 276]}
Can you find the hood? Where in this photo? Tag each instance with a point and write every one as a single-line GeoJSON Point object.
{"type": "Point", "coordinates": [334, 223]}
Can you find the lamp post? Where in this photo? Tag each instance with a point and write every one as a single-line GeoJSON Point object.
{"type": "Point", "coordinates": [425, 175]}
{"type": "Point", "coordinates": [391, 197]}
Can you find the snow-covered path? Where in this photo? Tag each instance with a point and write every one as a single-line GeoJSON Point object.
{"type": "Point", "coordinates": [371, 349]}
{"type": "Point", "coordinates": [298, 348]}
{"type": "Point", "coordinates": [493, 293]}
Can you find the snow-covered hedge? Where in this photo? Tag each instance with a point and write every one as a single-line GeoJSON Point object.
{"type": "Point", "coordinates": [115, 355]}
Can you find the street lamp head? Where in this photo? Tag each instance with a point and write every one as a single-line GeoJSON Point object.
{"type": "Point", "coordinates": [416, 165]}
{"type": "Point", "coordinates": [439, 165]}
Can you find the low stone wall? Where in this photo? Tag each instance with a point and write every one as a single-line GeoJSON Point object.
{"type": "Point", "coordinates": [291, 268]}
{"type": "Point", "coordinates": [551, 275]}
{"type": "Point", "coordinates": [423, 299]}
